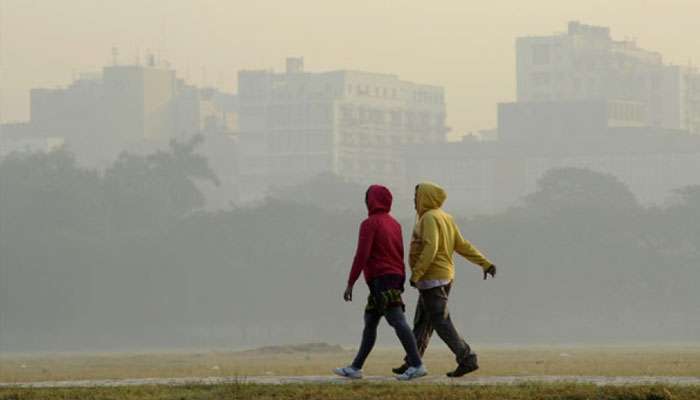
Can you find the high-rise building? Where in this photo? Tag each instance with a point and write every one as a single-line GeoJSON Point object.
{"type": "Point", "coordinates": [127, 107]}
{"type": "Point", "coordinates": [298, 124]}
{"type": "Point", "coordinates": [584, 100]}
{"type": "Point", "coordinates": [138, 99]}
{"type": "Point", "coordinates": [586, 64]}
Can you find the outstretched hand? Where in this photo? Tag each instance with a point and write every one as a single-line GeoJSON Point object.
{"type": "Point", "coordinates": [490, 271]}
{"type": "Point", "coordinates": [347, 295]}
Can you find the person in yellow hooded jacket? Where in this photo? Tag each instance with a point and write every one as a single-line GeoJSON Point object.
{"type": "Point", "coordinates": [435, 238]}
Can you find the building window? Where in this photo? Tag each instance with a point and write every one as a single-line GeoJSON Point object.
{"type": "Point", "coordinates": [541, 54]}
{"type": "Point", "coordinates": [540, 78]}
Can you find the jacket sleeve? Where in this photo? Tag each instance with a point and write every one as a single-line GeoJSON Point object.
{"type": "Point", "coordinates": [428, 232]}
{"type": "Point", "coordinates": [464, 248]}
{"type": "Point", "coordinates": [364, 246]}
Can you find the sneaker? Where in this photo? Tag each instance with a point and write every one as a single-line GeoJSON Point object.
{"type": "Point", "coordinates": [400, 370]}
{"type": "Point", "coordinates": [348, 372]}
{"type": "Point", "coordinates": [413, 373]}
{"type": "Point", "coordinates": [469, 365]}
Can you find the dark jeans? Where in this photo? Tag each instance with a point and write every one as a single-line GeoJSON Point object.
{"type": "Point", "coordinates": [395, 317]}
{"type": "Point", "coordinates": [432, 314]}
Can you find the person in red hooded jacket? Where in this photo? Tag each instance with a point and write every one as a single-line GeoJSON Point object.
{"type": "Point", "coordinates": [379, 256]}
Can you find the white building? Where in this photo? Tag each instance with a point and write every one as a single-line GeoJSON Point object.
{"type": "Point", "coordinates": [128, 107]}
{"type": "Point", "coordinates": [295, 125]}
{"type": "Point", "coordinates": [583, 100]}
{"type": "Point", "coordinates": [585, 63]}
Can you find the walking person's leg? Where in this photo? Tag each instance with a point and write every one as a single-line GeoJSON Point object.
{"type": "Point", "coordinates": [369, 337]}
{"type": "Point", "coordinates": [416, 369]}
{"type": "Point", "coordinates": [395, 317]}
{"type": "Point", "coordinates": [436, 305]}
{"type": "Point", "coordinates": [422, 331]}
{"type": "Point", "coordinates": [422, 327]}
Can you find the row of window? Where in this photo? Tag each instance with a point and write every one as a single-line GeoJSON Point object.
{"type": "Point", "coordinates": [299, 114]}
{"type": "Point", "coordinates": [300, 143]}
{"type": "Point", "coordinates": [626, 111]}
{"type": "Point", "coordinates": [420, 96]}
{"type": "Point", "coordinates": [351, 115]}
{"type": "Point", "coordinates": [366, 139]}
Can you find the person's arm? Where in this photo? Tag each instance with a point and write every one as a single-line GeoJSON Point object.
{"type": "Point", "coordinates": [464, 248]}
{"type": "Point", "coordinates": [364, 246]}
{"type": "Point", "coordinates": [428, 231]}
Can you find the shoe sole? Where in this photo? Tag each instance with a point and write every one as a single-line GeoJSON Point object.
{"type": "Point", "coordinates": [412, 377]}
{"type": "Point", "coordinates": [346, 376]}
{"type": "Point", "coordinates": [459, 376]}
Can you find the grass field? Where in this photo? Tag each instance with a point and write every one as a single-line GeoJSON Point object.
{"type": "Point", "coordinates": [360, 391]}
{"type": "Point", "coordinates": [495, 361]}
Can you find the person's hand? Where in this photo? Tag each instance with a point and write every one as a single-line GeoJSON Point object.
{"type": "Point", "coordinates": [347, 295]}
{"type": "Point", "coordinates": [490, 271]}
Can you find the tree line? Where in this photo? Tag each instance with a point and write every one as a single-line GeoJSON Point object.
{"type": "Point", "coordinates": [128, 258]}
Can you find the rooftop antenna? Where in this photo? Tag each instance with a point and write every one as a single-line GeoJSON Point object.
{"type": "Point", "coordinates": [150, 59]}
{"type": "Point", "coordinates": [137, 60]}
{"type": "Point", "coordinates": [115, 56]}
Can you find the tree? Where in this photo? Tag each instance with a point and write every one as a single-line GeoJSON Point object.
{"type": "Point", "coordinates": [576, 188]}
{"type": "Point", "coordinates": [689, 196]}
{"type": "Point", "coordinates": [149, 191]}
{"type": "Point", "coordinates": [326, 191]}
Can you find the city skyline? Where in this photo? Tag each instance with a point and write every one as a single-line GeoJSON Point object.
{"type": "Point", "coordinates": [470, 53]}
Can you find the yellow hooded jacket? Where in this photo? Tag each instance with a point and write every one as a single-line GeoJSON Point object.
{"type": "Point", "coordinates": [436, 237]}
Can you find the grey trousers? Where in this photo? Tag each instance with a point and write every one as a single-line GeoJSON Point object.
{"type": "Point", "coordinates": [432, 314]}
{"type": "Point", "coordinates": [394, 316]}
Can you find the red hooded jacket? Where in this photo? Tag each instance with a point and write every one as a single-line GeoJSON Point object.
{"type": "Point", "coordinates": [380, 246]}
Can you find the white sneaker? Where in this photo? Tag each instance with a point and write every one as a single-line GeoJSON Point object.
{"type": "Point", "coordinates": [413, 373]}
{"type": "Point", "coordinates": [348, 372]}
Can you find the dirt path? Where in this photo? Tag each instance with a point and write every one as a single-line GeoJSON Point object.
{"type": "Point", "coordinates": [436, 380]}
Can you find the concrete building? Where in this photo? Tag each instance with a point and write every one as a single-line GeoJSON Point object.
{"type": "Point", "coordinates": [137, 101]}
{"type": "Point", "coordinates": [127, 107]}
{"type": "Point", "coordinates": [586, 64]}
{"type": "Point", "coordinates": [19, 138]}
{"type": "Point", "coordinates": [583, 100]}
{"type": "Point", "coordinates": [563, 120]}
{"type": "Point", "coordinates": [295, 125]}
{"type": "Point", "coordinates": [489, 177]}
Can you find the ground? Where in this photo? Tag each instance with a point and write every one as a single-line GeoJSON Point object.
{"type": "Point", "coordinates": [512, 372]}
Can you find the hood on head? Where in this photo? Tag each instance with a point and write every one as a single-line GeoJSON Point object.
{"type": "Point", "coordinates": [429, 196]}
{"type": "Point", "coordinates": [378, 199]}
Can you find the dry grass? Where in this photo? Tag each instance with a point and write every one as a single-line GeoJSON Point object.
{"type": "Point", "coordinates": [360, 391]}
{"type": "Point", "coordinates": [495, 361]}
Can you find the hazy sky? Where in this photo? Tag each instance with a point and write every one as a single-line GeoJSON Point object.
{"type": "Point", "coordinates": [465, 46]}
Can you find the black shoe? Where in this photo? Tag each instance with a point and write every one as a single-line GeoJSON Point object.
{"type": "Point", "coordinates": [400, 370]}
{"type": "Point", "coordinates": [469, 365]}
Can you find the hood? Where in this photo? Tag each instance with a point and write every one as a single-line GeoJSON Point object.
{"type": "Point", "coordinates": [429, 196]}
{"type": "Point", "coordinates": [378, 199]}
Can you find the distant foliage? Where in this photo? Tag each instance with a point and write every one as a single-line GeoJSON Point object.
{"type": "Point", "coordinates": [575, 189]}
{"type": "Point", "coordinates": [127, 258]}
{"type": "Point", "coordinates": [326, 191]}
